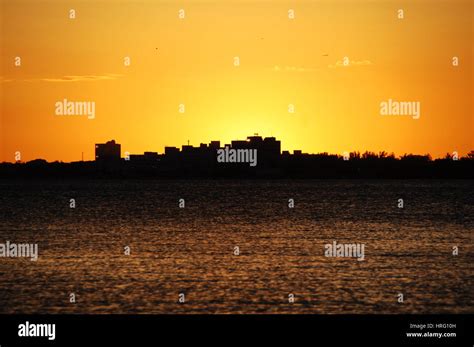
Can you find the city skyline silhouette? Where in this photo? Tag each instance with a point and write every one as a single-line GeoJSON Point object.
{"type": "Point", "coordinates": [252, 140]}
{"type": "Point", "coordinates": [269, 161]}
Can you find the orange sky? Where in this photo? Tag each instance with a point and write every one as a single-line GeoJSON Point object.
{"type": "Point", "coordinates": [191, 61]}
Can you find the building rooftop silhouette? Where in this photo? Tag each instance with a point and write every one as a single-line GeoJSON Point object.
{"type": "Point", "coordinates": [202, 162]}
{"type": "Point", "coordinates": [268, 149]}
{"type": "Point", "coordinates": [107, 151]}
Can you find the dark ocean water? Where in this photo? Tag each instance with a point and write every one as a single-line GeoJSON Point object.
{"type": "Point", "coordinates": [191, 250]}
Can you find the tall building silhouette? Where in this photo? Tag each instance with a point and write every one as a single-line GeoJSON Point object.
{"type": "Point", "coordinates": [107, 151]}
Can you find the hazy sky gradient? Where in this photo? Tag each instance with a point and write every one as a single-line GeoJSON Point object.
{"type": "Point", "coordinates": [190, 61]}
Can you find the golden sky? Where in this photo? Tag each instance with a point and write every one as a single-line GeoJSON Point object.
{"type": "Point", "coordinates": [190, 61]}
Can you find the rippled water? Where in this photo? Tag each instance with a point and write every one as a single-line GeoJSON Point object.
{"type": "Point", "coordinates": [191, 250]}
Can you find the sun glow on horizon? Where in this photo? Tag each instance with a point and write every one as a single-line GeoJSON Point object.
{"type": "Point", "coordinates": [190, 61]}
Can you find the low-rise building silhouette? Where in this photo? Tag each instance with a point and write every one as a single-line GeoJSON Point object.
{"type": "Point", "coordinates": [202, 161]}
{"type": "Point", "coordinates": [107, 151]}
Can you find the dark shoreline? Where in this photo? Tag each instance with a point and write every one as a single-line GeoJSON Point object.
{"type": "Point", "coordinates": [304, 169]}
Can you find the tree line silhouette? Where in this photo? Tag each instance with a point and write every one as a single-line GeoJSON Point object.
{"type": "Point", "coordinates": [298, 165]}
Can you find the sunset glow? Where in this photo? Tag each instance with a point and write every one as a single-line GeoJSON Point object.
{"type": "Point", "coordinates": [191, 61]}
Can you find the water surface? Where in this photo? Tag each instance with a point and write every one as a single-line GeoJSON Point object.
{"type": "Point", "coordinates": [191, 250]}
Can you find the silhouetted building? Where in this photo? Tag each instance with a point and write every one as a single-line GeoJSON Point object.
{"type": "Point", "coordinates": [107, 151]}
{"type": "Point", "coordinates": [255, 140]}
{"type": "Point", "coordinates": [147, 157]}
{"type": "Point", "coordinates": [271, 149]}
{"type": "Point", "coordinates": [187, 149]}
{"type": "Point", "coordinates": [171, 150]}
{"type": "Point", "coordinates": [268, 149]}
{"type": "Point", "coordinates": [269, 162]}
{"type": "Point", "coordinates": [239, 144]}
{"type": "Point", "coordinates": [215, 144]}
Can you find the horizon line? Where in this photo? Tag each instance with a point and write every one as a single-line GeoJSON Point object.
{"type": "Point", "coordinates": [388, 156]}
{"type": "Point", "coordinates": [381, 154]}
